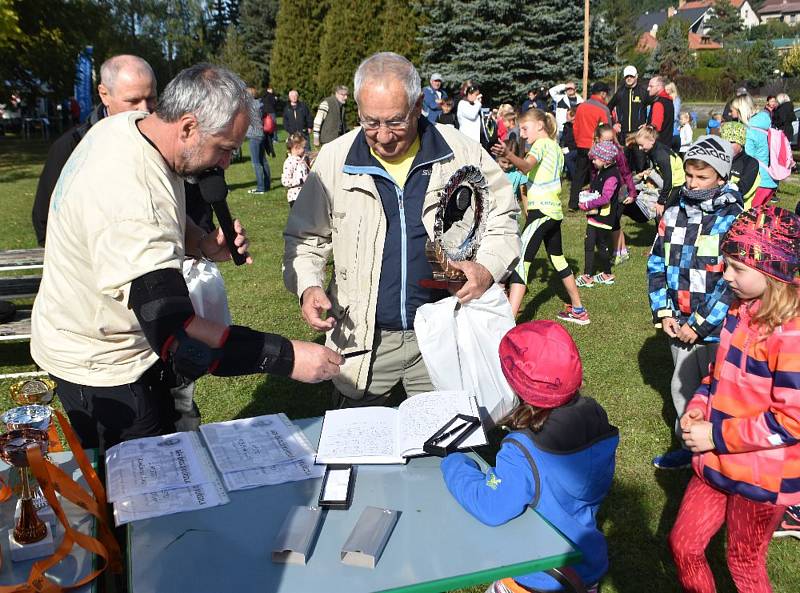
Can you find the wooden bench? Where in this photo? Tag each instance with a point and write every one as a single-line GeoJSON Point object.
{"type": "Point", "coordinates": [15, 287]}
{"type": "Point", "coordinates": [21, 259]}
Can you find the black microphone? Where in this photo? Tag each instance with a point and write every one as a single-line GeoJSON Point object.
{"type": "Point", "coordinates": [214, 191]}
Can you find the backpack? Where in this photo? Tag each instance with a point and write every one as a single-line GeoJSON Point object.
{"type": "Point", "coordinates": [781, 161]}
{"type": "Point", "coordinates": [269, 124]}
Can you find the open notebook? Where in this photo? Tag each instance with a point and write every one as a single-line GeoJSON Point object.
{"type": "Point", "coordinates": [388, 435]}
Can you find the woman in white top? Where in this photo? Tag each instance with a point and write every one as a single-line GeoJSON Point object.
{"type": "Point", "coordinates": [469, 113]}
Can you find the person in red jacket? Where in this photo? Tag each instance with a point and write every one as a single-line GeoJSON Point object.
{"type": "Point", "coordinates": [588, 115]}
{"type": "Point", "coordinates": [662, 110]}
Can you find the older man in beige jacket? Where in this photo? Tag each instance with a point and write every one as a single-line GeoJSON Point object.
{"type": "Point", "coordinates": [370, 202]}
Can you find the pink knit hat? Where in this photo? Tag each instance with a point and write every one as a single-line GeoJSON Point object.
{"type": "Point", "coordinates": [605, 151]}
{"type": "Point", "coordinates": [541, 363]}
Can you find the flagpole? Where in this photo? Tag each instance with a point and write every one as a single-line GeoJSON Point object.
{"type": "Point", "coordinates": [586, 48]}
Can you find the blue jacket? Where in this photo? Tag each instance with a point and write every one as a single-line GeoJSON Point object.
{"type": "Point", "coordinates": [568, 475]}
{"type": "Point", "coordinates": [429, 106]}
{"type": "Point", "coordinates": [399, 295]}
{"type": "Point", "coordinates": [757, 145]}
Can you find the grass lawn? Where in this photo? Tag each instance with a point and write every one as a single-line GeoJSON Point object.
{"type": "Point", "coordinates": [627, 365]}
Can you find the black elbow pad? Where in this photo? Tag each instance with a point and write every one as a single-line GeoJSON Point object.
{"type": "Point", "coordinates": [161, 303]}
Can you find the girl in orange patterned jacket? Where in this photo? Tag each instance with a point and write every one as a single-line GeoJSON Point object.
{"type": "Point", "coordinates": [743, 424]}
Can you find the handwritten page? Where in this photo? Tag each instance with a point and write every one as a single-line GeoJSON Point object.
{"type": "Point", "coordinates": [423, 414]}
{"type": "Point", "coordinates": [359, 435]}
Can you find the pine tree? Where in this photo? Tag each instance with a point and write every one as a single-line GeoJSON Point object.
{"type": "Point", "coordinates": [508, 47]}
{"type": "Point", "coordinates": [232, 55]}
{"type": "Point", "coordinates": [351, 32]}
{"type": "Point", "coordinates": [218, 24]}
{"type": "Point", "coordinates": [257, 25]}
{"type": "Point", "coordinates": [759, 62]}
{"type": "Point", "coordinates": [296, 51]}
{"type": "Point", "coordinates": [400, 24]}
{"type": "Point", "coordinates": [671, 57]}
{"type": "Point", "coordinates": [725, 22]}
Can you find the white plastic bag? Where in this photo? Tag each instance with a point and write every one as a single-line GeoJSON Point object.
{"type": "Point", "coordinates": [207, 290]}
{"type": "Point", "coordinates": [459, 345]}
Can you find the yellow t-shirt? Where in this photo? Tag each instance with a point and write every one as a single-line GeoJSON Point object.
{"type": "Point", "coordinates": [544, 180]}
{"type": "Point", "coordinates": [399, 169]}
{"type": "Point", "coordinates": [117, 213]}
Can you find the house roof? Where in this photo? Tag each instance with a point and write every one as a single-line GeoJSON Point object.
{"type": "Point", "coordinates": [779, 7]}
{"type": "Point", "coordinates": [646, 21]}
{"type": "Point", "coordinates": [706, 3]}
{"type": "Point", "coordinates": [702, 42]}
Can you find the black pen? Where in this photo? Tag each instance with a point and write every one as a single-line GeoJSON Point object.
{"type": "Point", "coordinates": [449, 433]}
{"type": "Point", "coordinates": [356, 353]}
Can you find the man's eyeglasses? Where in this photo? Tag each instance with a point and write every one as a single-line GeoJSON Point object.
{"type": "Point", "coordinates": [395, 125]}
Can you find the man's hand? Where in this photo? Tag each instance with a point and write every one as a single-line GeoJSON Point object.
{"type": "Point", "coordinates": [659, 210]}
{"type": "Point", "coordinates": [214, 247]}
{"type": "Point", "coordinates": [689, 418]}
{"type": "Point", "coordinates": [478, 280]}
{"type": "Point", "coordinates": [618, 128]}
{"type": "Point", "coordinates": [314, 363]}
{"type": "Point", "coordinates": [698, 437]}
{"type": "Point", "coordinates": [315, 303]}
{"type": "Point", "coordinates": [687, 335]}
{"type": "Point", "coordinates": [670, 326]}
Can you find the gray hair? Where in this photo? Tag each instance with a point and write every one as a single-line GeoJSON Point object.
{"type": "Point", "coordinates": [111, 68]}
{"type": "Point", "coordinates": [782, 98]}
{"type": "Point", "coordinates": [659, 80]}
{"type": "Point", "coordinates": [214, 95]}
{"type": "Point", "coordinates": [341, 89]}
{"type": "Point", "coordinates": [389, 65]}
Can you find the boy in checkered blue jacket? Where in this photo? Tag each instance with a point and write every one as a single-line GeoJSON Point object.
{"type": "Point", "coordinates": [688, 296]}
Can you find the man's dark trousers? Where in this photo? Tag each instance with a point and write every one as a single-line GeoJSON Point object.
{"type": "Point", "coordinates": [580, 178]}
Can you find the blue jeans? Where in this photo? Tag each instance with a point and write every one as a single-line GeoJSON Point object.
{"type": "Point", "coordinates": [258, 157]}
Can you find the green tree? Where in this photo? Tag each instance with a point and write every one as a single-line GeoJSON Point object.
{"type": "Point", "coordinates": [351, 32]}
{"type": "Point", "coordinates": [232, 55]}
{"type": "Point", "coordinates": [725, 22]}
{"type": "Point", "coordinates": [508, 47]}
{"type": "Point", "coordinates": [257, 26]}
{"type": "Point", "coordinates": [9, 23]}
{"type": "Point", "coordinates": [296, 51]}
{"type": "Point", "coordinates": [400, 23]}
{"type": "Point", "coordinates": [758, 62]}
{"type": "Point", "coordinates": [671, 57]}
{"type": "Point", "coordinates": [791, 62]}
{"type": "Point", "coordinates": [41, 60]}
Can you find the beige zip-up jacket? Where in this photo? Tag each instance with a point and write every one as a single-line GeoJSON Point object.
{"type": "Point", "coordinates": [341, 214]}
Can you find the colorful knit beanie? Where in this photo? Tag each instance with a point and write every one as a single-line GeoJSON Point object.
{"type": "Point", "coordinates": [606, 151]}
{"type": "Point", "coordinates": [766, 238]}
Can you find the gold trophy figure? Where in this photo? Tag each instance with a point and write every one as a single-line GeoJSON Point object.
{"type": "Point", "coordinates": [14, 444]}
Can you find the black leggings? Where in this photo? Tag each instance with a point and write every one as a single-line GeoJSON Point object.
{"type": "Point", "coordinates": [539, 229]}
{"type": "Point", "coordinates": [600, 238]}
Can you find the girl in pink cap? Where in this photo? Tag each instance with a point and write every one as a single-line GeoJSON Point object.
{"type": "Point", "coordinates": [558, 459]}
